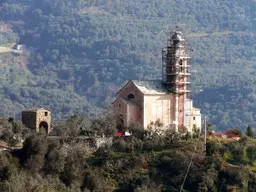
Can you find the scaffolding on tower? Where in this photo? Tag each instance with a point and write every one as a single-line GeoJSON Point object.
{"type": "Point", "coordinates": [176, 72]}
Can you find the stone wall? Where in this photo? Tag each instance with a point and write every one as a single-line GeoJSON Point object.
{"type": "Point", "coordinates": [89, 144]}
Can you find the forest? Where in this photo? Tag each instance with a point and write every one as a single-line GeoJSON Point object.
{"type": "Point", "coordinates": [80, 52]}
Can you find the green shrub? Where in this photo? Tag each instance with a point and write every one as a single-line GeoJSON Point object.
{"type": "Point", "coordinates": [211, 148]}
{"type": "Point", "coordinates": [251, 152]}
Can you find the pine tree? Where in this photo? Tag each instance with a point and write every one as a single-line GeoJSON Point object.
{"type": "Point", "coordinates": [249, 131]}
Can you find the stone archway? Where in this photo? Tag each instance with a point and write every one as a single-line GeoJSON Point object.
{"type": "Point", "coordinates": [43, 126]}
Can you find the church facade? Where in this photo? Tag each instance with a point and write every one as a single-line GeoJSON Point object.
{"type": "Point", "coordinates": [167, 100]}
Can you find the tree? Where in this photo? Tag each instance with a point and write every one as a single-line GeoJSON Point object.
{"type": "Point", "coordinates": [137, 130]}
{"type": "Point", "coordinates": [210, 128]}
{"type": "Point", "coordinates": [251, 152]}
{"type": "Point", "coordinates": [211, 148]}
{"type": "Point", "coordinates": [54, 159]}
{"type": "Point", "coordinates": [95, 182]}
{"type": "Point", "coordinates": [75, 167]}
{"type": "Point", "coordinates": [73, 127]}
{"type": "Point", "coordinates": [33, 152]}
{"type": "Point", "coordinates": [235, 131]}
{"type": "Point", "coordinates": [106, 124]}
{"type": "Point", "coordinates": [237, 151]}
{"type": "Point", "coordinates": [249, 131]}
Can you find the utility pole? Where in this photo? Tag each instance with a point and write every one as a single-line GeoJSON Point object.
{"type": "Point", "coordinates": [205, 132]}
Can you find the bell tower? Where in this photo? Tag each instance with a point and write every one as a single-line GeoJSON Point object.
{"type": "Point", "coordinates": [175, 75]}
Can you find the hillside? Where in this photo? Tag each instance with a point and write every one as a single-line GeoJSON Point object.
{"type": "Point", "coordinates": [143, 162]}
{"type": "Point", "coordinates": [83, 51]}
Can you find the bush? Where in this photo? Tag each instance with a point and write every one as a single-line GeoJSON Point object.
{"type": "Point", "coordinates": [103, 152]}
{"type": "Point", "coordinates": [222, 149]}
{"type": "Point", "coordinates": [249, 131]}
{"type": "Point", "coordinates": [235, 131]}
{"type": "Point", "coordinates": [244, 139]}
{"type": "Point", "coordinates": [75, 168]}
{"type": "Point", "coordinates": [33, 153]}
{"type": "Point", "coordinates": [120, 145]}
{"type": "Point", "coordinates": [237, 151]}
{"type": "Point", "coordinates": [211, 148]}
{"type": "Point", "coordinates": [251, 152]}
{"type": "Point", "coordinates": [54, 159]}
{"type": "Point", "coordinates": [137, 130]}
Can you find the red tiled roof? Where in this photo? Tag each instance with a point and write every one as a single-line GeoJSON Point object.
{"type": "Point", "coordinates": [214, 134]}
{"type": "Point", "coordinates": [217, 134]}
{"type": "Point", "coordinates": [225, 133]}
{"type": "Point", "coordinates": [231, 135]}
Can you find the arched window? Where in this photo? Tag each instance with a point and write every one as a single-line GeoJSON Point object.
{"type": "Point", "coordinates": [180, 62]}
{"type": "Point", "coordinates": [130, 96]}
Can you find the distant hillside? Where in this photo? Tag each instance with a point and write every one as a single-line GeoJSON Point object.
{"type": "Point", "coordinates": [83, 51]}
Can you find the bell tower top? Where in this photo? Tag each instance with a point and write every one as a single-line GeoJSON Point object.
{"type": "Point", "coordinates": [175, 68]}
{"type": "Point", "coordinates": [177, 38]}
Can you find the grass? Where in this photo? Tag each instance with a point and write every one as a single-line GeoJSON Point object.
{"type": "Point", "coordinates": [221, 140]}
{"type": "Point", "coordinates": [251, 168]}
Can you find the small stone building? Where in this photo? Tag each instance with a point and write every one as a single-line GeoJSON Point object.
{"type": "Point", "coordinates": [37, 119]}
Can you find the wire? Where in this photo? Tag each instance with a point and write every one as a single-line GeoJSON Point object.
{"type": "Point", "coordinates": [190, 163]}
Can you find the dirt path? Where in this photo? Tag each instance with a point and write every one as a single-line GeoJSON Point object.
{"type": "Point", "coordinates": [7, 49]}
{"type": "Point", "coordinates": [4, 49]}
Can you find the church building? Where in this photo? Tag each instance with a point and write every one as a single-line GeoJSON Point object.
{"type": "Point", "coordinates": [167, 100]}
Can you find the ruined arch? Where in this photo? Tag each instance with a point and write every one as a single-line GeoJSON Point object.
{"type": "Point", "coordinates": [43, 126]}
